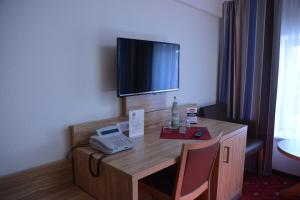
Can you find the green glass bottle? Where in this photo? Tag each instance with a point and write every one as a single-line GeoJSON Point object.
{"type": "Point", "coordinates": [175, 114]}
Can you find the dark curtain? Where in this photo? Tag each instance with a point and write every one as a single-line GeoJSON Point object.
{"type": "Point", "coordinates": [248, 68]}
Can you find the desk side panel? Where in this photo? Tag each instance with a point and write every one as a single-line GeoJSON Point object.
{"type": "Point", "coordinates": [110, 185]}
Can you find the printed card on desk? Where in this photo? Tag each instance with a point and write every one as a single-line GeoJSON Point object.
{"type": "Point", "coordinates": [136, 123]}
{"type": "Point", "coordinates": [192, 115]}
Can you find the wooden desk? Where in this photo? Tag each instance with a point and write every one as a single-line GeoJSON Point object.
{"type": "Point", "coordinates": [121, 172]}
{"type": "Point", "coordinates": [291, 149]}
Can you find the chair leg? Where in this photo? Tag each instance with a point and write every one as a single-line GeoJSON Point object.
{"type": "Point", "coordinates": [260, 161]}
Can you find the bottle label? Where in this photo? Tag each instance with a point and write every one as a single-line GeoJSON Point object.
{"type": "Point", "coordinates": [175, 120]}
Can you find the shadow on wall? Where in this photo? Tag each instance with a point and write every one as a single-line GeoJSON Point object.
{"type": "Point", "coordinates": [108, 68]}
{"type": "Point", "coordinates": [67, 134]}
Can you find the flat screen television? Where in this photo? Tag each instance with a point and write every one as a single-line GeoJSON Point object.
{"type": "Point", "coordinates": [145, 67]}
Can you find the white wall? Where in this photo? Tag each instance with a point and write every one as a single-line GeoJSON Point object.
{"type": "Point", "coordinates": [57, 66]}
{"type": "Point", "coordinates": [213, 7]}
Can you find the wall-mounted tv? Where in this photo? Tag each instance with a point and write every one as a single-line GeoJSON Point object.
{"type": "Point", "coordinates": [145, 67]}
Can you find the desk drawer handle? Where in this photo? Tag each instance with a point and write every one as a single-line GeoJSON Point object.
{"type": "Point", "coordinates": [226, 154]}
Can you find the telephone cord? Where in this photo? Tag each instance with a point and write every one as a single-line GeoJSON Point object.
{"type": "Point", "coordinates": [98, 164]}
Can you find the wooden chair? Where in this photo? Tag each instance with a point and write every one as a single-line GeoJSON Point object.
{"type": "Point", "coordinates": [187, 180]}
{"type": "Point", "coordinates": [254, 145]}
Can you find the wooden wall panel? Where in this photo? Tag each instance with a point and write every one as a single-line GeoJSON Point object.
{"type": "Point", "coordinates": [51, 181]}
{"type": "Point", "coordinates": [80, 133]}
{"type": "Point", "coordinates": [149, 102]}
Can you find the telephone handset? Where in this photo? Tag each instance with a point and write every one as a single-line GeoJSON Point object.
{"type": "Point", "coordinates": [110, 140]}
{"type": "Point", "coordinates": [99, 144]}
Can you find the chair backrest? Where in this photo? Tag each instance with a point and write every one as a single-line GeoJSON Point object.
{"type": "Point", "coordinates": [195, 167]}
{"type": "Point", "coordinates": [219, 112]}
{"type": "Point", "coordinates": [252, 126]}
{"type": "Point", "coordinates": [216, 111]}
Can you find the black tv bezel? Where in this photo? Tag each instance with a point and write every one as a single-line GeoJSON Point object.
{"type": "Point", "coordinates": [148, 92]}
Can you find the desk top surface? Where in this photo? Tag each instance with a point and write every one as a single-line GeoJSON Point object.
{"type": "Point", "coordinates": [290, 148]}
{"type": "Point", "coordinates": [151, 154]}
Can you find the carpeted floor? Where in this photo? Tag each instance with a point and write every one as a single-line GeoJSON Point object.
{"type": "Point", "coordinates": [265, 188]}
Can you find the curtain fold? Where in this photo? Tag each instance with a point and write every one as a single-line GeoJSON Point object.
{"type": "Point", "coordinates": [247, 71]}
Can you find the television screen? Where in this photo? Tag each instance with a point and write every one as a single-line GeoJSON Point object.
{"type": "Point", "coordinates": [146, 66]}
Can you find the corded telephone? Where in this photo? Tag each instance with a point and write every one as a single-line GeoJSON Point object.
{"type": "Point", "coordinates": [110, 140]}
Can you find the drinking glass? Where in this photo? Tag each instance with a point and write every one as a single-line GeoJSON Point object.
{"type": "Point", "coordinates": [183, 126]}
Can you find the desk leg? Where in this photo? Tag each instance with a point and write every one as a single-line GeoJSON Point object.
{"type": "Point", "coordinates": [135, 188]}
{"type": "Point", "coordinates": [120, 186]}
{"type": "Point", "coordinates": [290, 192]}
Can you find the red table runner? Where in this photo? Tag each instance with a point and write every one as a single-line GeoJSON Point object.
{"type": "Point", "coordinates": [169, 133]}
